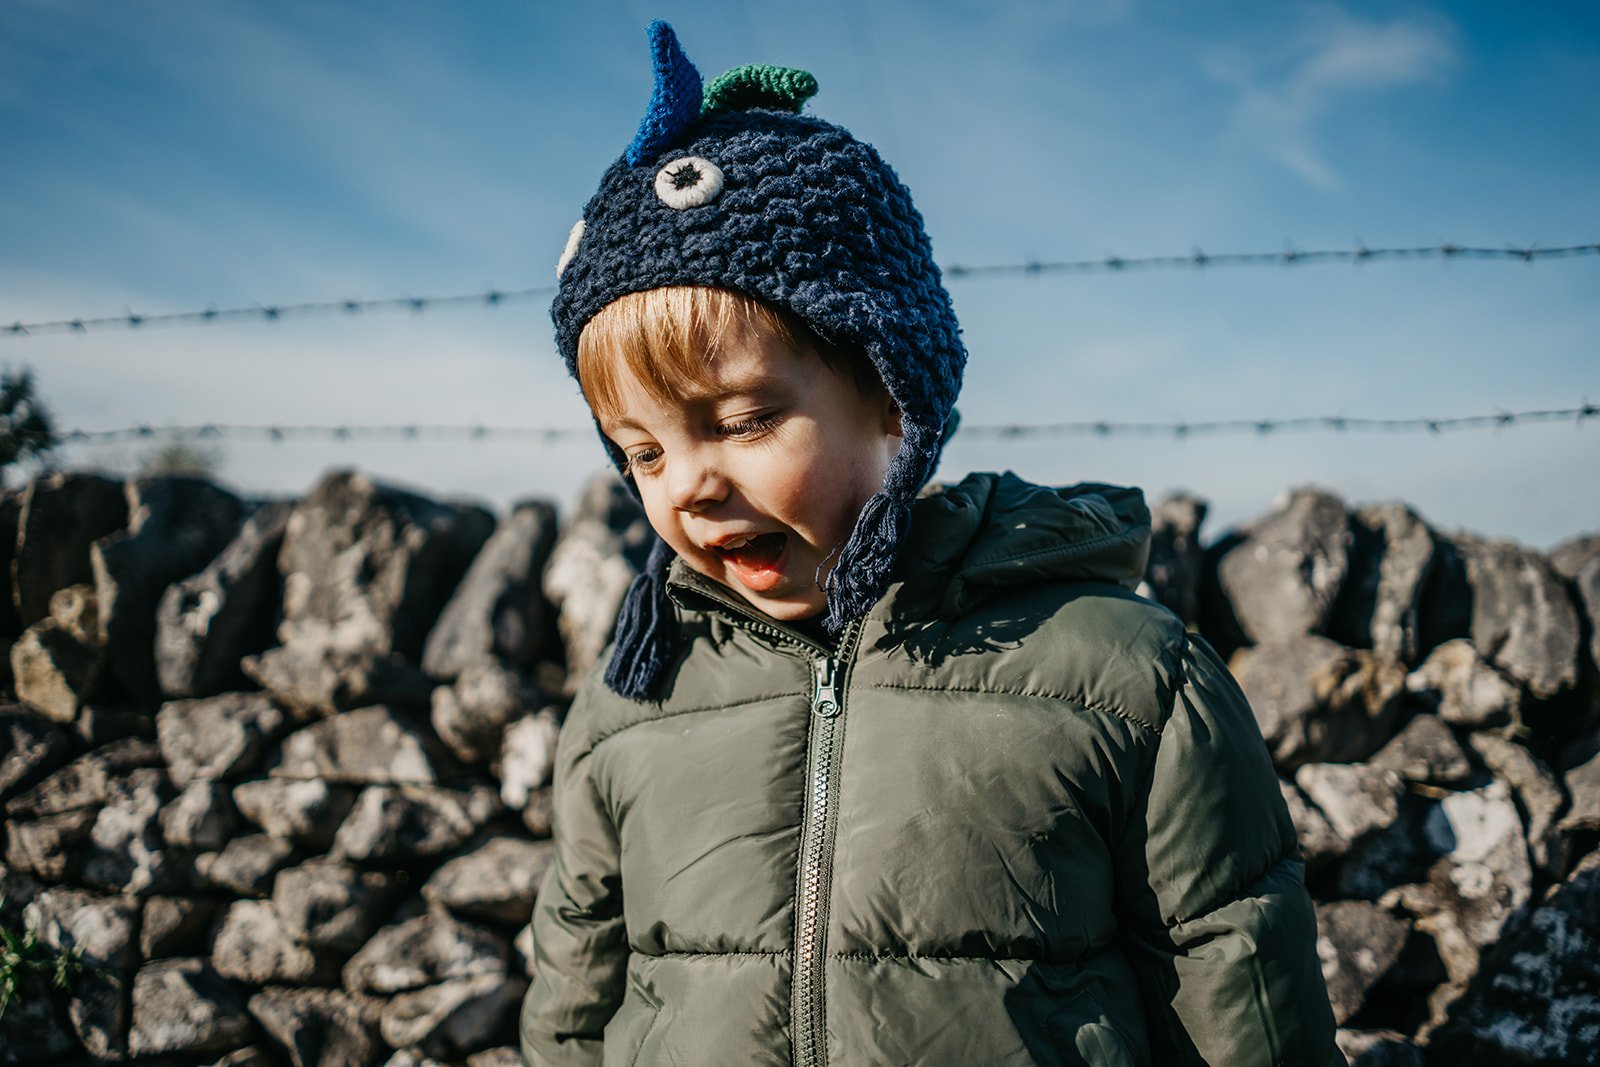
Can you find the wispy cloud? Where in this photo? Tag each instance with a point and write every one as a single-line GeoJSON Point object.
{"type": "Point", "coordinates": [1282, 93]}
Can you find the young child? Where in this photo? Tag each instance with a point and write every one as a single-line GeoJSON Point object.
{"type": "Point", "coordinates": [874, 777]}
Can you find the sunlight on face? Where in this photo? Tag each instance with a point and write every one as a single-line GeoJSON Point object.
{"type": "Point", "coordinates": [757, 481]}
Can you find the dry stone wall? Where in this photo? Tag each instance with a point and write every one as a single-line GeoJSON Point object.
{"type": "Point", "coordinates": [276, 775]}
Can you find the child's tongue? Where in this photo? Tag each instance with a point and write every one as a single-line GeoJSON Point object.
{"type": "Point", "coordinates": [756, 562]}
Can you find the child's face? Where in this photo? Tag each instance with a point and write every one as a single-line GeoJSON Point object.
{"type": "Point", "coordinates": [757, 481]}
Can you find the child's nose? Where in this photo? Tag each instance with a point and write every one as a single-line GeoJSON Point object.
{"type": "Point", "coordinates": [698, 486]}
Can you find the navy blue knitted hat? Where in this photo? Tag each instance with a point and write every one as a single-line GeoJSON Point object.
{"type": "Point", "coordinates": [732, 187]}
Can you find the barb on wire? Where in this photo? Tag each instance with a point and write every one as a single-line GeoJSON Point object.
{"type": "Point", "coordinates": [1100, 428]}
{"type": "Point", "coordinates": [1289, 256]}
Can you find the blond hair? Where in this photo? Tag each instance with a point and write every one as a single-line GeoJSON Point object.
{"type": "Point", "coordinates": [670, 338]}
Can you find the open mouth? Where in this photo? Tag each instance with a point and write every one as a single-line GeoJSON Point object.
{"type": "Point", "coordinates": [756, 561]}
{"type": "Point", "coordinates": [754, 553]}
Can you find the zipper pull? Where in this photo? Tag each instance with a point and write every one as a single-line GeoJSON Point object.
{"type": "Point", "coordinates": [826, 702]}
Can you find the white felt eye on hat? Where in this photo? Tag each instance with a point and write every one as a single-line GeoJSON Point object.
{"type": "Point", "coordinates": [688, 182]}
{"type": "Point", "coordinates": [574, 241]}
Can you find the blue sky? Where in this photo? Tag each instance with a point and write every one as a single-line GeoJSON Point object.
{"type": "Point", "coordinates": [174, 156]}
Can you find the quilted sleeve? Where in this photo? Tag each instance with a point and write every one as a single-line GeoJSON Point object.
{"type": "Point", "coordinates": [1215, 916]}
{"type": "Point", "coordinates": [580, 942]}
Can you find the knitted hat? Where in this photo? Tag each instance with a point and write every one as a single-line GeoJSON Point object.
{"type": "Point", "coordinates": [734, 188]}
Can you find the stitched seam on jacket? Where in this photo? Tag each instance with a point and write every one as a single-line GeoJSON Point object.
{"type": "Point", "coordinates": [1067, 698]}
{"type": "Point", "coordinates": [754, 953]}
{"type": "Point", "coordinates": [869, 957]}
{"type": "Point", "coordinates": [594, 744]}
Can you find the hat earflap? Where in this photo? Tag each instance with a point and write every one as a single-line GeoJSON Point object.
{"type": "Point", "coordinates": [643, 645]}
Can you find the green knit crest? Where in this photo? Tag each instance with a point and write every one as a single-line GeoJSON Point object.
{"type": "Point", "coordinates": [759, 85]}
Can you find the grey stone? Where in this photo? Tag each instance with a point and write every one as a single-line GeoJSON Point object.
{"type": "Point", "coordinates": [1319, 841]}
{"type": "Point", "coordinates": [504, 1056]}
{"type": "Point", "coordinates": [523, 951]}
{"type": "Point", "coordinates": [1468, 691]}
{"type": "Point", "coordinates": [216, 737]}
{"type": "Point", "coordinates": [1425, 751]}
{"type": "Point", "coordinates": [1482, 881]}
{"type": "Point", "coordinates": [252, 945]}
{"type": "Point", "coordinates": [1283, 578]}
{"type": "Point", "coordinates": [594, 561]}
{"type": "Point", "coordinates": [1539, 792]}
{"type": "Point", "coordinates": [433, 947]}
{"type": "Point", "coordinates": [1391, 556]}
{"type": "Point", "coordinates": [527, 757]}
{"type": "Point", "coordinates": [315, 681]}
{"type": "Point", "coordinates": [249, 1056]}
{"type": "Point", "coordinates": [411, 1058]}
{"type": "Point", "coordinates": [499, 610]}
{"type": "Point", "coordinates": [369, 567]}
{"type": "Point", "coordinates": [452, 1018]}
{"type": "Point", "coordinates": [495, 880]}
{"type": "Point", "coordinates": [307, 811]}
{"type": "Point", "coordinates": [1357, 799]}
{"type": "Point", "coordinates": [184, 1006]}
{"type": "Point", "coordinates": [87, 781]}
{"type": "Point", "coordinates": [62, 515]}
{"type": "Point", "coordinates": [175, 926]}
{"type": "Point", "coordinates": [1572, 557]}
{"type": "Point", "coordinates": [101, 931]}
{"type": "Point", "coordinates": [124, 849]}
{"type": "Point", "coordinates": [327, 904]}
{"type": "Point", "coordinates": [1402, 852]}
{"type": "Point", "coordinates": [101, 724]}
{"type": "Point", "coordinates": [319, 1027]}
{"type": "Point", "coordinates": [1582, 779]}
{"type": "Point", "coordinates": [50, 846]}
{"type": "Point", "coordinates": [55, 672]}
{"type": "Point", "coordinates": [1317, 701]}
{"type": "Point", "coordinates": [75, 610]}
{"type": "Point", "coordinates": [1357, 943]}
{"type": "Point", "coordinates": [18, 889]}
{"type": "Point", "coordinates": [246, 865]}
{"type": "Point", "coordinates": [538, 815]}
{"type": "Point", "coordinates": [1172, 574]}
{"type": "Point", "coordinates": [471, 716]}
{"type": "Point", "coordinates": [1522, 617]}
{"type": "Point", "coordinates": [1535, 1000]}
{"type": "Point", "coordinates": [367, 746]}
{"type": "Point", "coordinates": [33, 747]}
{"type": "Point", "coordinates": [1378, 1048]}
{"type": "Point", "coordinates": [176, 525]}
{"type": "Point", "coordinates": [393, 823]}
{"type": "Point", "coordinates": [207, 623]}
{"type": "Point", "coordinates": [201, 818]}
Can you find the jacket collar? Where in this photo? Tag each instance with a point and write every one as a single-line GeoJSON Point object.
{"type": "Point", "coordinates": [973, 540]}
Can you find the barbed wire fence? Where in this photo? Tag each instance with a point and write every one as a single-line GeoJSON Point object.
{"type": "Point", "coordinates": [490, 298]}
{"type": "Point", "coordinates": [1099, 428]}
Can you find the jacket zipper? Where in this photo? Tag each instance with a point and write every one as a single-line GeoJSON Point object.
{"type": "Point", "coordinates": [816, 855]}
{"type": "Point", "coordinates": [807, 1019]}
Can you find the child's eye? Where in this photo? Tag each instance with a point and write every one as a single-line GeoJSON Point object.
{"type": "Point", "coordinates": [643, 461]}
{"type": "Point", "coordinates": [751, 427]}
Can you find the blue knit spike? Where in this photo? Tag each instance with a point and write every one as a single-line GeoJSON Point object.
{"type": "Point", "coordinates": [675, 101]}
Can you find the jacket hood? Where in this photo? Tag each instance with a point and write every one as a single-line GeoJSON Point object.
{"type": "Point", "coordinates": [991, 532]}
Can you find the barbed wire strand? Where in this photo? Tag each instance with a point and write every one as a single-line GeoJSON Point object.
{"type": "Point", "coordinates": [1195, 260]}
{"type": "Point", "coordinates": [1098, 427]}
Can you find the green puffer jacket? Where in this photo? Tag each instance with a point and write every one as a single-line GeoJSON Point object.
{"type": "Point", "coordinates": [1018, 816]}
